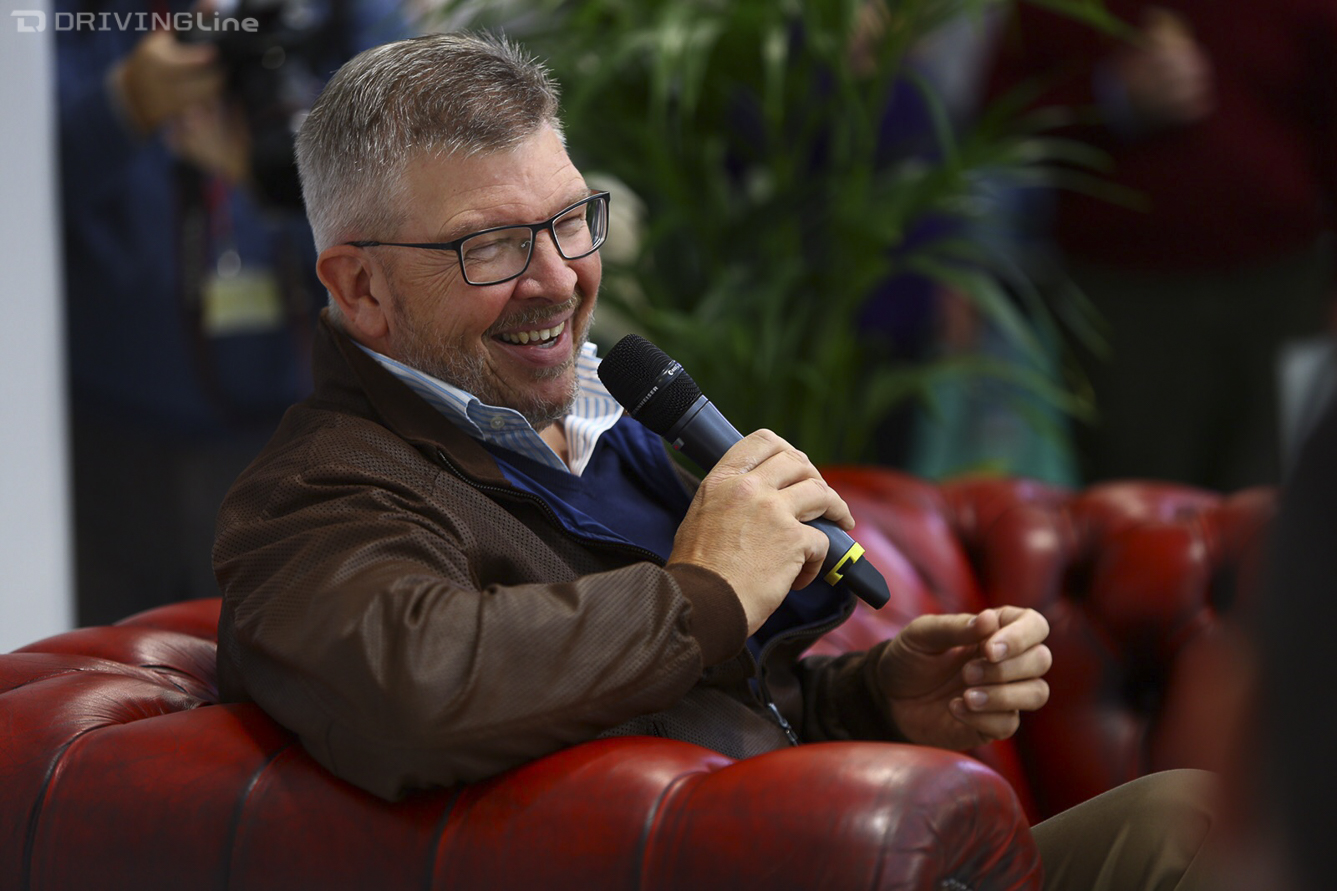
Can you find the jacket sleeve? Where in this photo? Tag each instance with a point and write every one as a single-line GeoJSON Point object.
{"type": "Point", "coordinates": [407, 650]}
{"type": "Point", "coordinates": [842, 698]}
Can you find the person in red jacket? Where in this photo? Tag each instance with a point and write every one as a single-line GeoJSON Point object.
{"type": "Point", "coordinates": [1221, 125]}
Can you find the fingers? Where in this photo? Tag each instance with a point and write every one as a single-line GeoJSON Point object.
{"type": "Point", "coordinates": [938, 633]}
{"type": "Point", "coordinates": [805, 499]}
{"type": "Point", "coordinates": [995, 711]}
{"type": "Point", "coordinates": [1023, 696]}
{"type": "Point", "coordinates": [991, 726]}
{"type": "Point", "coordinates": [1018, 631]}
{"type": "Point", "coordinates": [747, 522]}
{"type": "Point", "coordinates": [161, 77]}
{"type": "Point", "coordinates": [749, 452]}
{"type": "Point", "coordinates": [814, 546]}
{"type": "Point", "coordinates": [1172, 81]}
{"type": "Point", "coordinates": [1001, 634]}
{"type": "Point", "coordinates": [170, 54]}
{"type": "Point", "coordinates": [1033, 663]}
{"type": "Point", "coordinates": [774, 463]}
{"type": "Point", "coordinates": [999, 689]}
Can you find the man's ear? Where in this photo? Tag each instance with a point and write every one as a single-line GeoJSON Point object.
{"type": "Point", "coordinates": [357, 285]}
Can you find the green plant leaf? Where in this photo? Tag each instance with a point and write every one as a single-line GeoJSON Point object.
{"type": "Point", "coordinates": [776, 200]}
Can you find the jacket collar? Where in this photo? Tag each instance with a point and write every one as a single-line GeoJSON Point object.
{"type": "Point", "coordinates": [349, 379]}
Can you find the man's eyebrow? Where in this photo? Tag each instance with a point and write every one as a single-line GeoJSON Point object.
{"type": "Point", "coordinates": [480, 223]}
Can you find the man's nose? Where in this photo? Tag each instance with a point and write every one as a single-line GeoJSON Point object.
{"type": "Point", "coordinates": [547, 268]}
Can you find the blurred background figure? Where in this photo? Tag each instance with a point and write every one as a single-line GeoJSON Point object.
{"type": "Point", "coordinates": [1221, 126]}
{"type": "Point", "coordinates": [1295, 782]}
{"type": "Point", "coordinates": [189, 285]}
{"type": "Point", "coordinates": [1013, 420]}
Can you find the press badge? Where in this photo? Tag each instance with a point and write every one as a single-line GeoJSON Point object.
{"type": "Point", "coordinates": [240, 300]}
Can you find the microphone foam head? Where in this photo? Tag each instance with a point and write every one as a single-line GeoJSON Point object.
{"type": "Point", "coordinates": [653, 388]}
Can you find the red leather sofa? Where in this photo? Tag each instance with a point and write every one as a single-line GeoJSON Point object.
{"type": "Point", "coordinates": [120, 769]}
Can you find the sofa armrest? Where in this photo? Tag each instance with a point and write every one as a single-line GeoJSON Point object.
{"type": "Point", "coordinates": [662, 814]}
{"type": "Point", "coordinates": [119, 769]}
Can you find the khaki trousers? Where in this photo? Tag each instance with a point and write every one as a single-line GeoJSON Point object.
{"type": "Point", "coordinates": [1149, 834]}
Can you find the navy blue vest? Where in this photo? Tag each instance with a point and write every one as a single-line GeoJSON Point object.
{"type": "Point", "coordinates": [630, 493]}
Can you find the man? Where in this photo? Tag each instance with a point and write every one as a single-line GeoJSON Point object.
{"type": "Point", "coordinates": [189, 297]}
{"type": "Point", "coordinates": [459, 555]}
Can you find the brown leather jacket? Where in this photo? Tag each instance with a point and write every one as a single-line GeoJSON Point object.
{"type": "Point", "coordinates": [417, 621]}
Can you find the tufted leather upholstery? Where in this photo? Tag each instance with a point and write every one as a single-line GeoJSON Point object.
{"type": "Point", "coordinates": [119, 769]}
{"type": "Point", "coordinates": [1138, 581]}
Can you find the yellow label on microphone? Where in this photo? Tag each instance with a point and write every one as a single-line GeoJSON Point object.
{"type": "Point", "coordinates": [851, 556]}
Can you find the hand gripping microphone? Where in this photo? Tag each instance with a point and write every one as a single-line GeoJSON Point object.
{"type": "Point", "coordinates": [656, 391]}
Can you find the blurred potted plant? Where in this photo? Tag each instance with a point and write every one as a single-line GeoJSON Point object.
{"type": "Point", "coordinates": [752, 132]}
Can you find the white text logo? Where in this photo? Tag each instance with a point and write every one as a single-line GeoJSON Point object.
{"type": "Point", "coordinates": [38, 22]}
{"type": "Point", "coordinates": [32, 20]}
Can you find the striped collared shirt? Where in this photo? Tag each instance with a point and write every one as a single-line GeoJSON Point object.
{"type": "Point", "coordinates": [593, 413]}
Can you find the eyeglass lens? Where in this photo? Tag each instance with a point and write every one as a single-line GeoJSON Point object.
{"type": "Point", "coordinates": [504, 253]}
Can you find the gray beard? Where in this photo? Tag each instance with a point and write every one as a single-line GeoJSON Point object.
{"type": "Point", "coordinates": [468, 370]}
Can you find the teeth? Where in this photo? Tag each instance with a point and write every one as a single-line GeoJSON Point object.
{"type": "Point", "coordinates": [542, 335]}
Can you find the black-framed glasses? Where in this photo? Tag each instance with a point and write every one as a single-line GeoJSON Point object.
{"type": "Point", "coordinates": [499, 254]}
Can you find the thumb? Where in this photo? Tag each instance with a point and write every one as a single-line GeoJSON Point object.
{"type": "Point", "coordinates": [938, 633]}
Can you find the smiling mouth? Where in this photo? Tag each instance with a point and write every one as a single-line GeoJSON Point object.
{"type": "Point", "coordinates": [538, 337]}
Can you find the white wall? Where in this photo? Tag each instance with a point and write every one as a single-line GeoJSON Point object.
{"type": "Point", "coordinates": [36, 579]}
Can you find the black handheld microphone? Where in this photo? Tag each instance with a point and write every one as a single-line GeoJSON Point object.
{"type": "Point", "coordinates": [656, 391]}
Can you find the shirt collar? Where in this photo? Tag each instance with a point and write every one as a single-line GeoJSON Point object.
{"type": "Point", "coordinates": [593, 413]}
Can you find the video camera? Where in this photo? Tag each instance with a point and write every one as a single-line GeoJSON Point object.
{"type": "Point", "coordinates": [276, 54]}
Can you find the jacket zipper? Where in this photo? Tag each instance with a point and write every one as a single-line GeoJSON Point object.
{"type": "Point", "coordinates": [780, 719]}
{"type": "Point", "coordinates": [764, 692]}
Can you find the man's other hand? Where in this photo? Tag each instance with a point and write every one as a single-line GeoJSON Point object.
{"type": "Point", "coordinates": [746, 522]}
{"type": "Point", "coordinates": [163, 77]}
{"type": "Point", "coordinates": [1167, 74]}
{"type": "Point", "coordinates": [959, 681]}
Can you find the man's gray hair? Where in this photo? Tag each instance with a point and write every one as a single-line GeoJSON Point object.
{"type": "Point", "coordinates": [435, 95]}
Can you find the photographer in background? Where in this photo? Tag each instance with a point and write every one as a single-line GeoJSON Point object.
{"type": "Point", "coordinates": [188, 294]}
